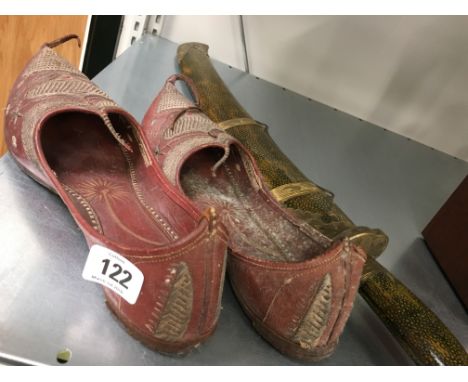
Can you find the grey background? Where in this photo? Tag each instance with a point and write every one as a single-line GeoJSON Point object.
{"type": "Point", "coordinates": [380, 179]}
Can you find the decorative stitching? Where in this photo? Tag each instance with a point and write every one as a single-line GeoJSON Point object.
{"type": "Point", "coordinates": [89, 210]}
{"type": "Point", "coordinates": [280, 268]}
{"type": "Point", "coordinates": [101, 189]}
{"type": "Point", "coordinates": [74, 85]}
{"type": "Point", "coordinates": [47, 59]}
{"type": "Point", "coordinates": [106, 191]}
{"type": "Point", "coordinates": [161, 259]}
{"type": "Point", "coordinates": [188, 123]}
{"type": "Point", "coordinates": [315, 320]}
{"type": "Point", "coordinates": [172, 99]}
{"type": "Point", "coordinates": [136, 187]}
{"type": "Point", "coordinates": [175, 316]}
{"type": "Point", "coordinates": [65, 86]}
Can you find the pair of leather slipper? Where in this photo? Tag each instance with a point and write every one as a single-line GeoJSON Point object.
{"type": "Point", "coordinates": [171, 196]}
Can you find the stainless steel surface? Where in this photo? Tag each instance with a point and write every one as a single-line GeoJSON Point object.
{"type": "Point", "coordinates": [379, 178]}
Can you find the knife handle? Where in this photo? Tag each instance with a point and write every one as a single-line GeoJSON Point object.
{"type": "Point", "coordinates": [419, 331]}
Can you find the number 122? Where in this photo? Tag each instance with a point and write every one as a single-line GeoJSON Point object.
{"type": "Point", "coordinates": [117, 272]}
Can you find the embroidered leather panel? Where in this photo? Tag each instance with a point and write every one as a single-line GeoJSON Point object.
{"type": "Point", "coordinates": [172, 99]}
{"type": "Point", "coordinates": [47, 59]}
{"type": "Point", "coordinates": [69, 89]}
{"type": "Point", "coordinates": [65, 86]}
{"type": "Point", "coordinates": [187, 123]}
{"type": "Point", "coordinates": [316, 319]}
{"type": "Point", "coordinates": [175, 316]}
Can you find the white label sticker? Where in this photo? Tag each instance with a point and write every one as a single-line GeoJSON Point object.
{"type": "Point", "coordinates": [113, 271]}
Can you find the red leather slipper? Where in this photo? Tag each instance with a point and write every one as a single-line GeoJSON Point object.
{"type": "Point", "coordinates": [296, 285]}
{"type": "Point", "coordinates": [71, 137]}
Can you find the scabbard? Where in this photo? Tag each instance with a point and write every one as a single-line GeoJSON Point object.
{"type": "Point", "coordinates": [423, 336]}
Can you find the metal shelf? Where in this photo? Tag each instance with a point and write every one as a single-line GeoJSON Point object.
{"type": "Point", "coordinates": [380, 180]}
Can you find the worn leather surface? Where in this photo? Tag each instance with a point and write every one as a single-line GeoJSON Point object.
{"type": "Point", "coordinates": [70, 136]}
{"type": "Point", "coordinates": [296, 285]}
{"type": "Point", "coordinates": [317, 207]}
